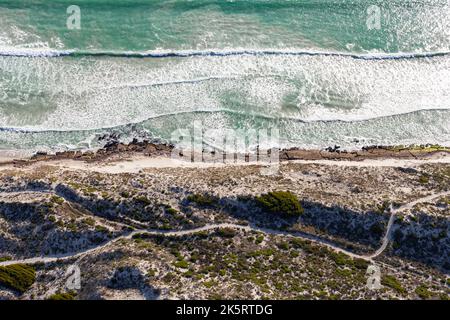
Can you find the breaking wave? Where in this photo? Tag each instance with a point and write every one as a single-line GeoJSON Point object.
{"type": "Point", "coordinates": [32, 52]}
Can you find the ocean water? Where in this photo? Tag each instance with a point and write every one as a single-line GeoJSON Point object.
{"type": "Point", "coordinates": [322, 72]}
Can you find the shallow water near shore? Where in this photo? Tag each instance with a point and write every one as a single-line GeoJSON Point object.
{"type": "Point", "coordinates": [143, 69]}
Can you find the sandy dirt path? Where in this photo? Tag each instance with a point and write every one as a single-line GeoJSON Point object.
{"type": "Point", "coordinates": [138, 163]}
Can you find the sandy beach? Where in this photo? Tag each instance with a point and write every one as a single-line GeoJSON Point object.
{"type": "Point", "coordinates": [136, 164]}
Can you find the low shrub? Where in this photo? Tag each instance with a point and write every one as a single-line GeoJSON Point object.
{"type": "Point", "coordinates": [63, 296]}
{"type": "Point", "coordinates": [360, 263]}
{"type": "Point", "coordinates": [171, 211]}
{"type": "Point", "coordinates": [143, 200]}
{"type": "Point", "coordinates": [283, 245]}
{"type": "Point", "coordinates": [423, 292]}
{"type": "Point", "coordinates": [101, 229]}
{"type": "Point", "coordinates": [282, 203]}
{"type": "Point", "coordinates": [89, 221]}
{"type": "Point", "coordinates": [183, 264]}
{"type": "Point", "coordinates": [203, 200]}
{"type": "Point", "coordinates": [341, 259]}
{"type": "Point", "coordinates": [57, 199]}
{"type": "Point", "coordinates": [424, 179]}
{"type": "Point", "coordinates": [226, 232]}
{"type": "Point", "coordinates": [19, 277]}
{"type": "Point", "coordinates": [259, 239]}
{"type": "Point", "coordinates": [392, 282]}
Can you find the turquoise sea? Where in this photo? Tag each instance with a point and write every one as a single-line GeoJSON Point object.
{"type": "Point", "coordinates": [324, 72]}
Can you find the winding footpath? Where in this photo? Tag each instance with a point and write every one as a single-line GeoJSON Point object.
{"type": "Point", "coordinates": [302, 235]}
{"type": "Point", "coordinates": [410, 205]}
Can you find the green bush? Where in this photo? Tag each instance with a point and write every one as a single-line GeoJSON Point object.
{"type": "Point", "coordinates": [202, 200]}
{"type": "Point", "coordinates": [63, 296]}
{"type": "Point", "coordinates": [151, 272]}
{"type": "Point", "coordinates": [360, 263]}
{"type": "Point", "coordinates": [424, 179]}
{"type": "Point", "coordinates": [143, 200]}
{"type": "Point", "coordinates": [102, 229]}
{"type": "Point", "coordinates": [283, 245]}
{"type": "Point", "coordinates": [280, 202]}
{"type": "Point", "coordinates": [423, 292]}
{"type": "Point", "coordinates": [19, 277]}
{"type": "Point", "coordinates": [125, 194]}
{"type": "Point", "coordinates": [188, 274]}
{"type": "Point", "coordinates": [209, 284]}
{"type": "Point", "coordinates": [57, 199]}
{"type": "Point", "coordinates": [183, 264]}
{"type": "Point", "coordinates": [259, 239]}
{"type": "Point", "coordinates": [171, 211]}
{"type": "Point", "coordinates": [392, 282]}
{"type": "Point", "coordinates": [341, 259]}
{"type": "Point", "coordinates": [89, 221]}
{"type": "Point", "coordinates": [226, 232]}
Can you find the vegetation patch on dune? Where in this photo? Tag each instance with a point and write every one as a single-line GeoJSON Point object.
{"type": "Point", "coordinates": [392, 282]}
{"type": "Point", "coordinates": [19, 277]}
{"type": "Point", "coordinates": [422, 148]}
{"type": "Point", "coordinates": [283, 203]}
{"type": "Point", "coordinates": [203, 200]}
{"type": "Point", "coordinates": [63, 296]}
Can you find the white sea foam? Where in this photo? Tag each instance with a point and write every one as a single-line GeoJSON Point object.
{"type": "Point", "coordinates": [161, 53]}
{"type": "Point", "coordinates": [33, 52]}
{"type": "Point", "coordinates": [74, 94]}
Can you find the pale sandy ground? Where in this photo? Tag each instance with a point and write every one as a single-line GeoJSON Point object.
{"type": "Point", "coordinates": [8, 155]}
{"type": "Point", "coordinates": [137, 163]}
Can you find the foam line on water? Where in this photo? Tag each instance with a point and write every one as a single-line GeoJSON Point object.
{"type": "Point", "coordinates": [262, 116]}
{"type": "Point", "coordinates": [24, 52]}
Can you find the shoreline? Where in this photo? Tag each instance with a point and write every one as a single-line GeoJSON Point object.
{"type": "Point", "coordinates": [137, 156]}
{"type": "Point", "coordinates": [152, 149]}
